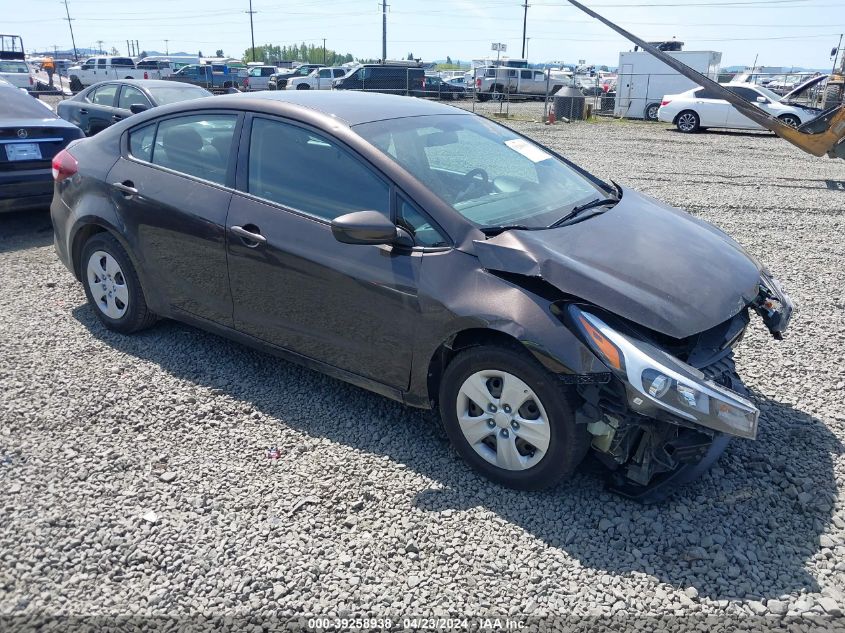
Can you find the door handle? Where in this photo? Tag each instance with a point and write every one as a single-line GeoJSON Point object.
{"type": "Point", "coordinates": [83, 111]}
{"type": "Point", "coordinates": [249, 236]}
{"type": "Point", "coordinates": [127, 187]}
{"type": "Point", "coordinates": [117, 117]}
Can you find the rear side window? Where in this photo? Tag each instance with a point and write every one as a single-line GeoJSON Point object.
{"type": "Point", "coordinates": [198, 145]}
{"type": "Point", "coordinates": [299, 169]}
{"type": "Point", "coordinates": [141, 142]}
{"type": "Point", "coordinates": [339, 72]}
{"type": "Point", "coordinates": [104, 95]}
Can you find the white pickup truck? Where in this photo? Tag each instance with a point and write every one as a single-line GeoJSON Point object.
{"type": "Point", "coordinates": [318, 79]}
{"type": "Point", "coordinates": [96, 69]}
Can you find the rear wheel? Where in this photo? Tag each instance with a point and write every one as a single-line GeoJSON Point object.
{"type": "Point", "coordinates": [510, 418]}
{"type": "Point", "coordinates": [650, 113]}
{"type": "Point", "coordinates": [688, 122]}
{"type": "Point", "coordinates": [112, 286]}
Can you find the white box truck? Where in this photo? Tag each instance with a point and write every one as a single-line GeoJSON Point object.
{"type": "Point", "coordinates": [643, 80]}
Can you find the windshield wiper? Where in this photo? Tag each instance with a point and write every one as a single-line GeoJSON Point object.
{"type": "Point", "coordinates": [592, 204]}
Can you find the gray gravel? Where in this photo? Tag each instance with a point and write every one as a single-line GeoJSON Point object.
{"type": "Point", "coordinates": [135, 476]}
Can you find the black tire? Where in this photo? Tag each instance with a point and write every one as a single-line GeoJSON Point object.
{"type": "Point", "coordinates": [303, 87]}
{"type": "Point", "coordinates": [790, 119]}
{"type": "Point", "coordinates": [483, 96]}
{"type": "Point", "coordinates": [688, 122]}
{"type": "Point", "coordinates": [568, 442]}
{"type": "Point", "coordinates": [650, 112]}
{"type": "Point", "coordinates": [137, 315]}
{"type": "Point", "coordinates": [75, 84]}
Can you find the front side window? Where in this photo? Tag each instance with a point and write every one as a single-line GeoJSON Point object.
{"type": "Point", "coordinates": [419, 225]}
{"type": "Point", "coordinates": [130, 96]}
{"type": "Point", "coordinates": [525, 74]}
{"type": "Point", "coordinates": [198, 145]}
{"type": "Point", "coordinates": [302, 170]}
{"type": "Point", "coordinates": [325, 73]}
{"type": "Point", "coordinates": [483, 170]}
{"type": "Point", "coordinates": [104, 95]}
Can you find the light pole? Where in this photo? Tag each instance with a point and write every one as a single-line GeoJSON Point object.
{"type": "Point", "coordinates": [524, 26]}
{"type": "Point", "coordinates": [73, 41]}
{"type": "Point", "coordinates": [251, 29]}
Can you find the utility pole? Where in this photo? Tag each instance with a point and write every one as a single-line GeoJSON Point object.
{"type": "Point", "coordinates": [167, 47]}
{"type": "Point", "coordinates": [383, 30]}
{"type": "Point", "coordinates": [137, 48]}
{"type": "Point", "coordinates": [128, 50]}
{"type": "Point", "coordinates": [251, 29]}
{"type": "Point", "coordinates": [324, 50]}
{"type": "Point", "coordinates": [73, 41]}
{"type": "Point", "coordinates": [524, 26]}
{"type": "Point", "coordinates": [100, 46]}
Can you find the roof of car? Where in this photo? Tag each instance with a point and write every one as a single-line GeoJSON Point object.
{"type": "Point", "coordinates": [149, 83]}
{"type": "Point", "coordinates": [350, 106]}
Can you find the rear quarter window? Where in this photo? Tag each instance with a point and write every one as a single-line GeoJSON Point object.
{"type": "Point", "coordinates": [141, 142]}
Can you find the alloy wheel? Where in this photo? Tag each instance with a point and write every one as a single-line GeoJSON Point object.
{"type": "Point", "coordinates": [686, 122]}
{"type": "Point", "coordinates": [107, 284]}
{"type": "Point", "coordinates": [503, 420]}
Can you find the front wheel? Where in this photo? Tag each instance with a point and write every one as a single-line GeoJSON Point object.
{"type": "Point", "coordinates": [688, 122]}
{"type": "Point", "coordinates": [303, 87]}
{"type": "Point", "coordinates": [510, 418]}
{"type": "Point", "coordinates": [790, 119]}
{"type": "Point", "coordinates": [75, 84]}
{"type": "Point", "coordinates": [112, 286]}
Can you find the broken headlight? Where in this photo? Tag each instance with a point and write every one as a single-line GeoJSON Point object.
{"type": "Point", "coordinates": [657, 380]}
{"type": "Point", "coordinates": [773, 305]}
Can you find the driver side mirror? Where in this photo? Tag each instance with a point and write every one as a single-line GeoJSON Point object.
{"type": "Point", "coordinates": [762, 100]}
{"type": "Point", "coordinates": [369, 227]}
{"type": "Point", "coordinates": [137, 108]}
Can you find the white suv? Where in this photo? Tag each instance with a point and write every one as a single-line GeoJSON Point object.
{"type": "Point", "coordinates": [699, 108]}
{"type": "Point", "coordinates": [319, 79]}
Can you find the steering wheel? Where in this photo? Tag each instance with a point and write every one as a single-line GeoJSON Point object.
{"type": "Point", "coordinates": [479, 184]}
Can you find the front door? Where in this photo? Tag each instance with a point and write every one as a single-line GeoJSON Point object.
{"type": "Point", "coordinates": [738, 120]}
{"type": "Point", "coordinates": [351, 306]}
{"type": "Point", "coordinates": [172, 190]}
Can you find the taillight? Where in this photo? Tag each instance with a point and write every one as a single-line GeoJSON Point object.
{"type": "Point", "coordinates": [478, 82]}
{"type": "Point", "coordinates": [665, 102]}
{"type": "Point", "coordinates": [246, 82]}
{"type": "Point", "coordinates": [31, 82]}
{"type": "Point", "coordinates": [64, 165]}
{"type": "Point", "coordinates": [146, 75]}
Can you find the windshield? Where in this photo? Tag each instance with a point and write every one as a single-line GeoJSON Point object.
{"type": "Point", "coordinates": [167, 94]}
{"type": "Point", "coordinates": [486, 172]}
{"type": "Point", "coordinates": [772, 96]}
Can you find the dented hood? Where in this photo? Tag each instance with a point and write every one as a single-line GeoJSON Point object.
{"type": "Point", "coordinates": [642, 260]}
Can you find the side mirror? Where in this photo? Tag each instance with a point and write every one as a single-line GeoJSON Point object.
{"type": "Point", "coordinates": [368, 227]}
{"type": "Point", "coordinates": [137, 108]}
{"type": "Point", "coordinates": [762, 100]}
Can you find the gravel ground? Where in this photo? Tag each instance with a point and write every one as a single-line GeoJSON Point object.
{"type": "Point", "coordinates": [135, 475]}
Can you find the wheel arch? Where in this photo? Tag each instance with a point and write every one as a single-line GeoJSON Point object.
{"type": "Point", "coordinates": [480, 336]}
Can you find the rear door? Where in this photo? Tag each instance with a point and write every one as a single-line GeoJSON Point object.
{"type": "Point", "coordinates": [172, 187]}
{"type": "Point", "coordinates": [353, 307]}
{"type": "Point", "coordinates": [99, 109]}
{"type": "Point", "coordinates": [324, 79]}
{"type": "Point", "coordinates": [711, 109]}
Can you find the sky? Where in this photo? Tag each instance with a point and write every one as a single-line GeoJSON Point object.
{"type": "Point", "coordinates": [777, 32]}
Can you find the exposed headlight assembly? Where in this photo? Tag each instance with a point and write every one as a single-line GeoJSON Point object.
{"type": "Point", "coordinates": [656, 379]}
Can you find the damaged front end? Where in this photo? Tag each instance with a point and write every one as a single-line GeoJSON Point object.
{"type": "Point", "coordinates": [672, 405]}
